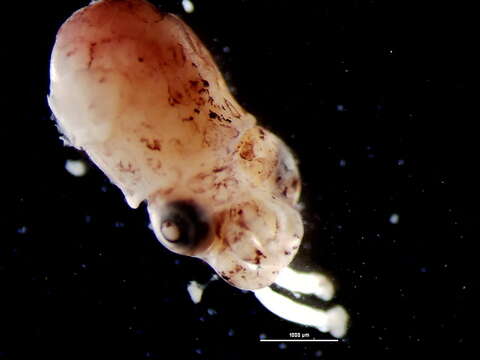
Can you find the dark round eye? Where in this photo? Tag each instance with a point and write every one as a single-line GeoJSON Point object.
{"type": "Point", "coordinates": [182, 224]}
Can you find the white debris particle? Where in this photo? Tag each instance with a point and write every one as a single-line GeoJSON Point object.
{"type": "Point", "coordinates": [211, 312]}
{"type": "Point", "coordinates": [188, 6]}
{"type": "Point", "coordinates": [340, 107]}
{"type": "Point", "coordinates": [400, 162]}
{"type": "Point", "coordinates": [22, 230]}
{"type": "Point", "coordinates": [195, 290]}
{"type": "Point", "coordinates": [394, 218]}
{"type": "Point", "coordinates": [342, 163]}
{"type": "Point", "coordinates": [76, 167]}
{"type": "Point", "coordinates": [226, 49]}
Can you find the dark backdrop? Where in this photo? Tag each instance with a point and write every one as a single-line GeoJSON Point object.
{"type": "Point", "coordinates": [374, 99]}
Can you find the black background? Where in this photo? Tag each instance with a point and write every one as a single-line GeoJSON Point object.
{"type": "Point", "coordinates": [375, 99]}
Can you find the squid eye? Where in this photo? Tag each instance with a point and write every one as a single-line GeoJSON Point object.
{"type": "Point", "coordinates": [182, 224]}
{"type": "Point", "coordinates": [170, 230]}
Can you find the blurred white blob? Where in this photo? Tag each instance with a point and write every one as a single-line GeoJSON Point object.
{"type": "Point", "coordinates": [76, 167]}
{"type": "Point", "coordinates": [188, 6]}
{"type": "Point", "coordinates": [394, 218]}
{"type": "Point", "coordinates": [195, 290]}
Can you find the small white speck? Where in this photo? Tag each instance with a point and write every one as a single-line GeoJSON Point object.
{"type": "Point", "coordinates": [340, 107]}
{"type": "Point", "coordinates": [76, 167]}
{"type": "Point", "coordinates": [188, 6]}
{"type": "Point", "coordinates": [282, 346]}
{"type": "Point", "coordinates": [262, 336]}
{"type": "Point", "coordinates": [394, 218]}
{"type": "Point", "coordinates": [231, 332]}
{"type": "Point", "coordinates": [226, 49]}
{"type": "Point", "coordinates": [211, 312]}
{"type": "Point", "coordinates": [342, 163]}
{"type": "Point", "coordinates": [401, 162]}
{"type": "Point", "coordinates": [22, 230]}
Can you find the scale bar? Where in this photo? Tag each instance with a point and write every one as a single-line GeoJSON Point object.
{"type": "Point", "coordinates": [299, 340]}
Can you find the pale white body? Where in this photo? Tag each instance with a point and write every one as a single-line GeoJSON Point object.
{"type": "Point", "coordinates": [139, 93]}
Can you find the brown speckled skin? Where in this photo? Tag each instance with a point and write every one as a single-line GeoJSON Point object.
{"type": "Point", "coordinates": [138, 91]}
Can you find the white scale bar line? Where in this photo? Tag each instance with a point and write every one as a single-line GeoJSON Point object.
{"type": "Point", "coordinates": [299, 340]}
